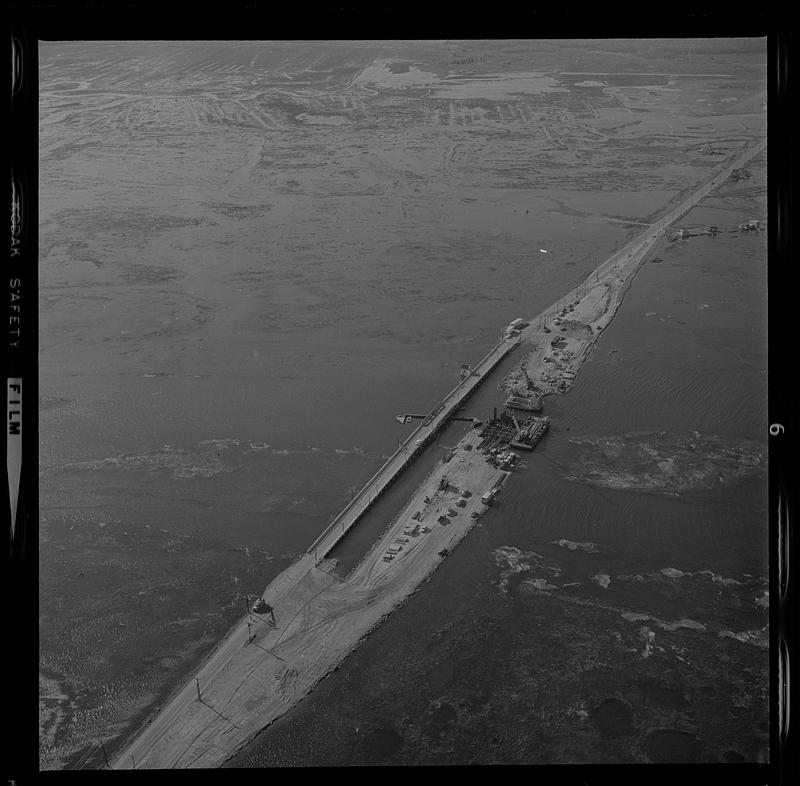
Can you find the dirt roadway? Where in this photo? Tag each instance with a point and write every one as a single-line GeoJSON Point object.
{"type": "Point", "coordinates": [583, 313]}
{"type": "Point", "coordinates": [319, 620]}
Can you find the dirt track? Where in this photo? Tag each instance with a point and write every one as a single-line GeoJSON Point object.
{"type": "Point", "coordinates": [319, 619]}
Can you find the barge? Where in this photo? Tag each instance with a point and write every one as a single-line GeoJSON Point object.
{"type": "Point", "coordinates": [527, 403]}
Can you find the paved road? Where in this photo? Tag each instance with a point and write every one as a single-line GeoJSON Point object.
{"type": "Point", "coordinates": [421, 435]}
{"type": "Point", "coordinates": [631, 253]}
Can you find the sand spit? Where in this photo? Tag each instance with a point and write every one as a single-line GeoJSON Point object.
{"type": "Point", "coordinates": [561, 341]}
{"type": "Point", "coordinates": [560, 338]}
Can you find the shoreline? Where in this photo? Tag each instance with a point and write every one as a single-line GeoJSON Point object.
{"type": "Point", "coordinates": [568, 339]}
{"type": "Point", "coordinates": [327, 618]}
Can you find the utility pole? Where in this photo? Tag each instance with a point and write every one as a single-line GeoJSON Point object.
{"type": "Point", "coordinates": [249, 637]}
{"type": "Point", "coordinates": [105, 755]}
{"type": "Point", "coordinates": [199, 697]}
{"type": "Point", "coordinates": [134, 762]}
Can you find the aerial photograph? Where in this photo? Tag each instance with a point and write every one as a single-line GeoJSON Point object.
{"type": "Point", "coordinates": [402, 402]}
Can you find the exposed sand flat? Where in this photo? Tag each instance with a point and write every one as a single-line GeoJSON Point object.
{"type": "Point", "coordinates": [559, 344]}
{"type": "Point", "coordinates": [562, 335]}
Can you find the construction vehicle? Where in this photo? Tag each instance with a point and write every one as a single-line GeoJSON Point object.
{"type": "Point", "coordinates": [262, 607]}
{"type": "Point", "coordinates": [527, 438]}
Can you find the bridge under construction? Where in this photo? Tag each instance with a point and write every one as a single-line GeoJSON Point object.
{"type": "Point", "coordinates": [408, 450]}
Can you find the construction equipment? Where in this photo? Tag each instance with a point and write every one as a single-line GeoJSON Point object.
{"type": "Point", "coordinates": [527, 438]}
{"type": "Point", "coordinates": [262, 607]}
{"type": "Point", "coordinates": [529, 381]}
{"type": "Point", "coordinates": [528, 403]}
